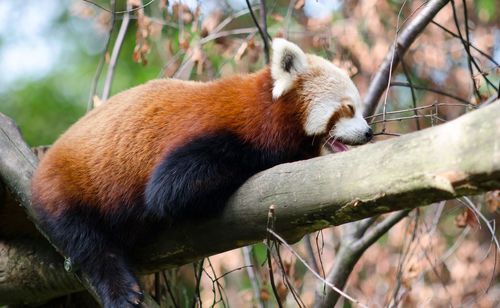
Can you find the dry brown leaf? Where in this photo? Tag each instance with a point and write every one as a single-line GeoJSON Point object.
{"type": "Point", "coordinates": [492, 200]}
{"type": "Point", "coordinates": [210, 22]}
{"type": "Point", "coordinates": [466, 218]}
{"type": "Point", "coordinates": [264, 292]}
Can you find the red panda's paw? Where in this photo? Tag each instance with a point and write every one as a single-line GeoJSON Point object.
{"type": "Point", "coordinates": [124, 294]}
{"type": "Point", "coordinates": [131, 300]}
{"type": "Point", "coordinates": [114, 281]}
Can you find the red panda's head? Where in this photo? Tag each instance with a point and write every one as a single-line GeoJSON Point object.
{"type": "Point", "coordinates": [331, 104]}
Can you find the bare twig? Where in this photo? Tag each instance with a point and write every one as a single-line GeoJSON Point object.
{"type": "Point", "coordinates": [470, 59]}
{"type": "Point", "coordinates": [372, 235]}
{"type": "Point", "coordinates": [220, 34]}
{"type": "Point", "coordinates": [484, 54]}
{"type": "Point", "coordinates": [404, 255]}
{"type": "Point", "coordinates": [288, 17]}
{"type": "Point", "coordinates": [251, 276]}
{"type": "Point", "coordinates": [412, 90]}
{"type": "Point", "coordinates": [114, 55]}
{"type": "Point", "coordinates": [157, 286]}
{"type": "Point", "coordinates": [468, 105]}
{"type": "Point", "coordinates": [393, 53]}
{"type": "Point", "coordinates": [263, 35]}
{"type": "Point", "coordinates": [284, 275]}
{"type": "Point", "coordinates": [352, 247]}
{"type": "Point", "coordinates": [440, 92]}
{"type": "Point", "coordinates": [413, 117]}
{"type": "Point", "coordinates": [127, 11]}
{"type": "Point", "coordinates": [405, 39]}
{"type": "Point", "coordinates": [480, 215]}
{"type": "Point", "coordinates": [310, 252]}
{"type": "Point", "coordinates": [102, 60]}
{"type": "Point", "coordinates": [270, 225]}
{"type": "Point", "coordinates": [169, 289]}
{"type": "Point", "coordinates": [215, 282]}
{"type": "Point", "coordinates": [263, 20]}
{"type": "Point", "coordinates": [466, 47]}
{"type": "Point", "coordinates": [282, 241]}
{"type": "Point", "coordinates": [198, 272]}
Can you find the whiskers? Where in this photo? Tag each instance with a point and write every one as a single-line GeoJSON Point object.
{"type": "Point", "coordinates": [330, 136]}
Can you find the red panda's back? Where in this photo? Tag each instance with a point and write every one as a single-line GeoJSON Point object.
{"type": "Point", "coordinates": [105, 159]}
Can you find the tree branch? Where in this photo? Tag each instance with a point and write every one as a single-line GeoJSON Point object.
{"type": "Point", "coordinates": [116, 52]}
{"type": "Point", "coordinates": [404, 41]}
{"type": "Point", "coordinates": [461, 157]}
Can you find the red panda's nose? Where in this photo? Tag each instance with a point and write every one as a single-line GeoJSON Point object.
{"type": "Point", "coordinates": [369, 134]}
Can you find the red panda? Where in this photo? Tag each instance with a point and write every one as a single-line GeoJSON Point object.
{"type": "Point", "coordinates": [171, 150]}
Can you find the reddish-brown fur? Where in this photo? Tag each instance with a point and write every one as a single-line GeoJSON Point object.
{"type": "Point", "coordinates": [108, 156]}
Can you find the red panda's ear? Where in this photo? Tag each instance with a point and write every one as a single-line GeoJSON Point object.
{"type": "Point", "coordinates": [288, 60]}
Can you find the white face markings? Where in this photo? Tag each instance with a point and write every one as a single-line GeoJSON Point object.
{"type": "Point", "coordinates": [325, 89]}
{"type": "Point", "coordinates": [328, 89]}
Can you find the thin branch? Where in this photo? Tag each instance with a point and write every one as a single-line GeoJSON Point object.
{"type": "Point", "coordinates": [270, 225]}
{"type": "Point", "coordinates": [404, 41]}
{"type": "Point", "coordinates": [440, 92]}
{"type": "Point", "coordinates": [169, 289]}
{"type": "Point", "coordinates": [198, 272]}
{"type": "Point", "coordinates": [288, 284]}
{"type": "Point", "coordinates": [282, 241]}
{"type": "Point", "coordinates": [393, 53]}
{"type": "Point", "coordinates": [484, 54]}
{"type": "Point", "coordinates": [263, 20]}
{"type": "Point", "coordinates": [419, 116]}
{"type": "Point", "coordinates": [435, 105]}
{"type": "Point", "coordinates": [215, 282]}
{"type": "Point", "coordinates": [220, 34]}
{"type": "Point", "coordinates": [102, 60]}
{"type": "Point", "coordinates": [466, 47]}
{"type": "Point", "coordinates": [310, 252]}
{"type": "Point", "coordinates": [412, 90]}
{"type": "Point", "coordinates": [157, 287]}
{"type": "Point", "coordinates": [288, 17]}
{"type": "Point", "coordinates": [251, 276]}
{"type": "Point", "coordinates": [405, 254]}
{"type": "Point", "coordinates": [263, 35]}
{"type": "Point", "coordinates": [378, 230]}
{"type": "Point", "coordinates": [127, 11]}
{"type": "Point", "coordinates": [352, 247]}
{"type": "Point", "coordinates": [114, 55]}
{"type": "Point", "coordinates": [491, 229]}
{"type": "Point", "coordinates": [470, 58]}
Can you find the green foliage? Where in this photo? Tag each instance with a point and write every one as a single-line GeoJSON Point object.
{"type": "Point", "coordinates": [42, 110]}
{"type": "Point", "coordinates": [487, 9]}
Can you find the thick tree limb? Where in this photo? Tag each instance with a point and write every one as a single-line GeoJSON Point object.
{"type": "Point", "coordinates": [352, 247]}
{"type": "Point", "coordinates": [458, 158]}
{"type": "Point", "coordinates": [381, 79]}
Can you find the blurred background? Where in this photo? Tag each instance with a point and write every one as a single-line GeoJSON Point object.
{"type": "Point", "coordinates": [55, 57]}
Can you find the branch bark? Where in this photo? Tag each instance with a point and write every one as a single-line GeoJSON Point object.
{"type": "Point", "coordinates": [458, 158]}
{"type": "Point", "coordinates": [381, 79]}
